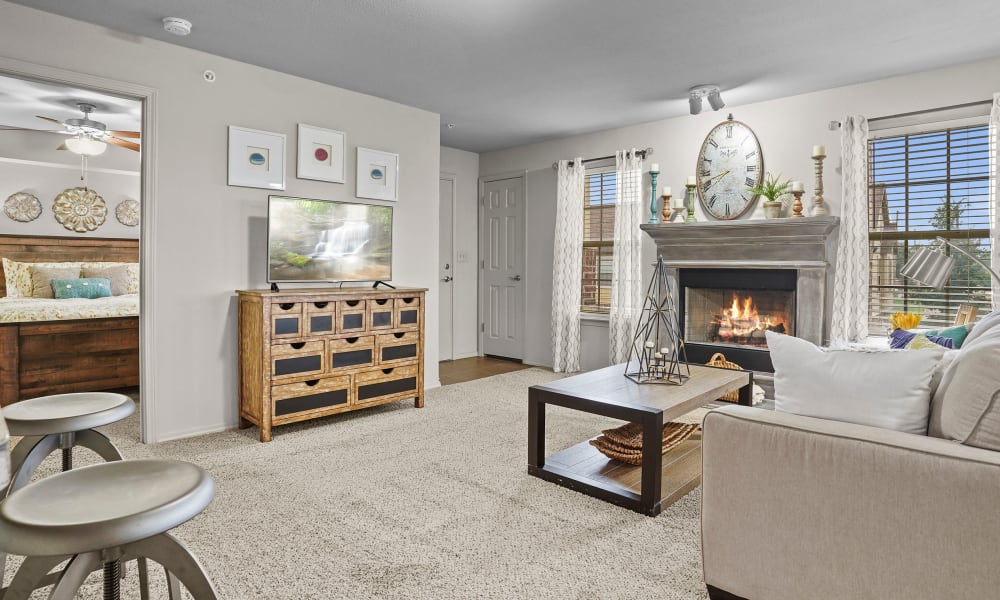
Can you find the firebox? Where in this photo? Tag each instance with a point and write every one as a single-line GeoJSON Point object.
{"type": "Point", "coordinates": [729, 311]}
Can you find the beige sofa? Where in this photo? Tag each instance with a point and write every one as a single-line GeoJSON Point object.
{"type": "Point", "coordinates": [796, 507]}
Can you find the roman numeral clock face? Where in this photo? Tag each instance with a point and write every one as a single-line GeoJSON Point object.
{"type": "Point", "coordinates": [729, 166]}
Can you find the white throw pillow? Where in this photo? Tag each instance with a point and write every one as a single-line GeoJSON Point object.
{"type": "Point", "coordinates": [890, 389]}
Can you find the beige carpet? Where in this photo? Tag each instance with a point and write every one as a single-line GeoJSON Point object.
{"type": "Point", "coordinates": [399, 503]}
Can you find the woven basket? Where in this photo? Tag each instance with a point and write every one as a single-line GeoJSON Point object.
{"type": "Point", "coordinates": [719, 360]}
{"type": "Point", "coordinates": [625, 442]}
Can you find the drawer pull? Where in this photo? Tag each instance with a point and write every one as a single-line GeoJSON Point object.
{"type": "Point", "coordinates": [409, 300]}
{"type": "Point", "coordinates": [298, 345]}
{"type": "Point", "coordinates": [287, 305]}
{"type": "Point", "coordinates": [312, 382]}
{"type": "Point", "coordinates": [352, 340]}
{"type": "Point", "coordinates": [399, 335]}
{"type": "Point", "coordinates": [352, 302]}
{"type": "Point", "coordinates": [320, 304]}
{"type": "Point", "coordinates": [388, 371]}
{"type": "Point", "coordinates": [381, 301]}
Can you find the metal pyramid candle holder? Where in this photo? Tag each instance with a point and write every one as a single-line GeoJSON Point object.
{"type": "Point", "coordinates": [657, 353]}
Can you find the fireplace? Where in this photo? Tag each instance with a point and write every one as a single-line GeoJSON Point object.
{"type": "Point", "coordinates": [729, 311]}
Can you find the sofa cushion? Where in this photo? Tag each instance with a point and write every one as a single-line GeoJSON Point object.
{"type": "Point", "coordinates": [966, 407]}
{"type": "Point", "coordinates": [42, 277]}
{"type": "Point", "coordinates": [883, 388]}
{"type": "Point", "coordinates": [985, 324]}
{"type": "Point", "coordinates": [956, 334]}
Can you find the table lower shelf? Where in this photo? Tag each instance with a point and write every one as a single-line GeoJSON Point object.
{"type": "Point", "coordinates": [584, 469]}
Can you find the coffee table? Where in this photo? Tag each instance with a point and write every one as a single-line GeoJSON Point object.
{"type": "Point", "coordinates": [655, 484]}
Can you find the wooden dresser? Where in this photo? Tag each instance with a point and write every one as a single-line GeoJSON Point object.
{"type": "Point", "coordinates": [308, 353]}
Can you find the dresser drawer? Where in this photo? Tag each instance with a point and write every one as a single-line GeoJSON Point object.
{"type": "Point", "coordinates": [286, 319]}
{"type": "Point", "coordinates": [297, 359]}
{"type": "Point", "coordinates": [407, 313]}
{"type": "Point", "coordinates": [320, 318]}
{"type": "Point", "coordinates": [398, 347]}
{"type": "Point", "coordinates": [381, 314]}
{"type": "Point", "coordinates": [351, 352]}
{"type": "Point", "coordinates": [311, 395]}
{"type": "Point", "coordinates": [352, 316]}
{"type": "Point", "coordinates": [382, 385]}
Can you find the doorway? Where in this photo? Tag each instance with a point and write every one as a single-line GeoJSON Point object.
{"type": "Point", "coordinates": [502, 283]}
{"type": "Point", "coordinates": [446, 256]}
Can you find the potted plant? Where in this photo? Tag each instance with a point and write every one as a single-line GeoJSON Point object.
{"type": "Point", "coordinates": [772, 188]}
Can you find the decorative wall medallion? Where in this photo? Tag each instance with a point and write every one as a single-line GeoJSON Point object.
{"type": "Point", "coordinates": [22, 207]}
{"type": "Point", "coordinates": [80, 209]}
{"type": "Point", "coordinates": [127, 212]}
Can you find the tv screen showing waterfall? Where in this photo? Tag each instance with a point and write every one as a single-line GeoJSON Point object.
{"type": "Point", "coordinates": [321, 240]}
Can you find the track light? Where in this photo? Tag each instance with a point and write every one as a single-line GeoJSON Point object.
{"type": "Point", "coordinates": [696, 93]}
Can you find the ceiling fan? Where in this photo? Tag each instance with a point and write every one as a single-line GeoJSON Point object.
{"type": "Point", "coordinates": [90, 137]}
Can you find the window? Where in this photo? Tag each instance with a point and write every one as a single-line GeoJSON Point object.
{"type": "Point", "coordinates": [599, 191]}
{"type": "Point", "coordinates": [924, 185]}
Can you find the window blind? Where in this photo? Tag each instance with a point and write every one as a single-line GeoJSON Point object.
{"type": "Point", "coordinates": [599, 193]}
{"type": "Point", "coordinates": [923, 185]}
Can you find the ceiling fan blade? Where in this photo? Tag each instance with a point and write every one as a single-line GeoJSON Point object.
{"type": "Point", "coordinates": [128, 134]}
{"type": "Point", "coordinates": [50, 119]}
{"type": "Point", "coordinates": [122, 143]}
{"type": "Point", "coordinates": [9, 128]}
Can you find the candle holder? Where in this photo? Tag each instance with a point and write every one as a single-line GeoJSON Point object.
{"type": "Point", "coordinates": [653, 220]}
{"type": "Point", "coordinates": [819, 208]}
{"type": "Point", "coordinates": [689, 202]}
{"type": "Point", "coordinates": [666, 207]}
{"type": "Point", "coordinates": [797, 205]}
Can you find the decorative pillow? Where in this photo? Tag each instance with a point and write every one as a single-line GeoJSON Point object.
{"type": "Point", "coordinates": [132, 283]}
{"type": "Point", "coordinates": [900, 339]}
{"type": "Point", "coordinates": [41, 279]}
{"type": "Point", "coordinates": [81, 288]}
{"type": "Point", "coordinates": [882, 388]}
{"type": "Point", "coordinates": [982, 326]}
{"type": "Point", "coordinates": [967, 403]}
{"type": "Point", "coordinates": [17, 275]}
{"type": "Point", "coordinates": [119, 276]}
{"type": "Point", "coordinates": [956, 334]}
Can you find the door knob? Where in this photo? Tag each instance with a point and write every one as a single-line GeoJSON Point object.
{"type": "Point", "coordinates": [516, 278]}
{"type": "Point", "coordinates": [447, 278]}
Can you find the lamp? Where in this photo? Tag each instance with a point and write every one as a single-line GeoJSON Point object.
{"type": "Point", "coordinates": [932, 267]}
{"type": "Point", "coordinates": [696, 93]}
{"type": "Point", "coordinates": [86, 146]}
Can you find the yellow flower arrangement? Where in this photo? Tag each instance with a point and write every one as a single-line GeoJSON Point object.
{"type": "Point", "coordinates": [905, 320]}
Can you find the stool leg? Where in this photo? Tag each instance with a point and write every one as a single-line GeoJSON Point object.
{"type": "Point", "coordinates": [35, 450]}
{"type": "Point", "coordinates": [79, 567]}
{"type": "Point", "coordinates": [30, 576]}
{"type": "Point", "coordinates": [178, 561]}
{"type": "Point", "coordinates": [143, 579]}
{"type": "Point", "coordinates": [99, 443]}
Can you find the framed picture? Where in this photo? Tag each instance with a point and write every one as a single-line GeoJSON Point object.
{"type": "Point", "coordinates": [377, 174]}
{"type": "Point", "coordinates": [256, 158]}
{"type": "Point", "coordinates": [321, 154]}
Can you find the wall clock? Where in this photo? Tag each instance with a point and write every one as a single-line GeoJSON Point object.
{"type": "Point", "coordinates": [730, 164]}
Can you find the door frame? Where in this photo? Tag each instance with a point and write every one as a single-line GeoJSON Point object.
{"type": "Point", "coordinates": [453, 178]}
{"type": "Point", "coordinates": [481, 312]}
{"type": "Point", "coordinates": [147, 224]}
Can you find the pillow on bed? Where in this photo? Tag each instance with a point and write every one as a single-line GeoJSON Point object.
{"type": "Point", "coordinates": [91, 288]}
{"type": "Point", "coordinates": [132, 270]}
{"type": "Point", "coordinates": [41, 279]}
{"type": "Point", "coordinates": [119, 276]}
{"type": "Point", "coordinates": [18, 275]}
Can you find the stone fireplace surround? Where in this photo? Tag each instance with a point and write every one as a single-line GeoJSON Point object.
{"type": "Point", "coordinates": [808, 245]}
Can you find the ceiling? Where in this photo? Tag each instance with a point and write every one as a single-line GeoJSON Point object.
{"type": "Point", "coordinates": [21, 100]}
{"type": "Point", "coordinates": [511, 72]}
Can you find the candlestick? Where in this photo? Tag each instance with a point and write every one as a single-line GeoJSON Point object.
{"type": "Point", "coordinates": [666, 206]}
{"type": "Point", "coordinates": [819, 208]}
{"type": "Point", "coordinates": [689, 199]}
{"type": "Point", "coordinates": [653, 172]}
{"type": "Point", "coordinates": [797, 205]}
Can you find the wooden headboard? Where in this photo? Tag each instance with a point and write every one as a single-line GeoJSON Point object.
{"type": "Point", "coordinates": [31, 248]}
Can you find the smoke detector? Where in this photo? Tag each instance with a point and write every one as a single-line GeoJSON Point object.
{"type": "Point", "coordinates": [176, 25]}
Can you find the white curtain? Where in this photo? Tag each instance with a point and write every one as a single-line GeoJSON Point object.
{"type": "Point", "coordinates": [567, 267]}
{"type": "Point", "coordinates": [850, 289]}
{"type": "Point", "coordinates": [995, 195]}
{"type": "Point", "coordinates": [626, 271]}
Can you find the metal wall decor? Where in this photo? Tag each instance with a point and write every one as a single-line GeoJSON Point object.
{"type": "Point", "coordinates": [80, 209]}
{"type": "Point", "coordinates": [127, 212]}
{"type": "Point", "coordinates": [657, 354]}
{"type": "Point", "coordinates": [22, 207]}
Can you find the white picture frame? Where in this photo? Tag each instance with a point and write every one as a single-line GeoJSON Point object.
{"type": "Point", "coordinates": [377, 174]}
{"type": "Point", "coordinates": [256, 158]}
{"type": "Point", "coordinates": [320, 154]}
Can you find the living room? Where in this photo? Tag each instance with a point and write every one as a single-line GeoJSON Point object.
{"type": "Point", "coordinates": [464, 519]}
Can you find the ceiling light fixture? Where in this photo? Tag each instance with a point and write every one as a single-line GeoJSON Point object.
{"type": "Point", "coordinates": [696, 94]}
{"type": "Point", "coordinates": [85, 146]}
{"type": "Point", "coordinates": [176, 26]}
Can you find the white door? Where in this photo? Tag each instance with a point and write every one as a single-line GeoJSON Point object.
{"type": "Point", "coordinates": [446, 269]}
{"type": "Point", "coordinates": [503, 268]}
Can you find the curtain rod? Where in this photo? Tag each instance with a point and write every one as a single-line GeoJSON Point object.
{"type": "Point", "coordinates": [641, 153]}
{"type": "Point", "coordinates": [836, 124]}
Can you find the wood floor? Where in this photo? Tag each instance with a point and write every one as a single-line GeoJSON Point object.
{"type": "Point", "coordinates": [477, 367]}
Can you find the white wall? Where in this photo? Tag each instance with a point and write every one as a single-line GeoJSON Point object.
{"type": "Point", "coordinates": [787, 128]}
{"type": "Point", "coordinates": [210, 238]}
{"type": "Point", "coordinates": [464, 166]}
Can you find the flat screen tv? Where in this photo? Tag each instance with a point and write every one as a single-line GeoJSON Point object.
{"type": "Point", "coordinates": [323, 240]}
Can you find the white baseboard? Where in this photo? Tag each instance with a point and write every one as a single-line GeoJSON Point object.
{"type": "Point", "coordinates": [194, 432]}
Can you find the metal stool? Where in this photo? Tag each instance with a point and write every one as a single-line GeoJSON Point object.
{"type": "Point", "coordinates": [101, 515]}
{"type": "Point", "coordinates": [62, 421]}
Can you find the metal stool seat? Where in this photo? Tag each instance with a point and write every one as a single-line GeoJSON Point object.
{"type": "Point", "coordinates": [62, 421]}
{"type": "Point", "coordinates": [102, 514]}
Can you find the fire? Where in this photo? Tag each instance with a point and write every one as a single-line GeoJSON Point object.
{"type": "Point", "coordinates": [741, 323]}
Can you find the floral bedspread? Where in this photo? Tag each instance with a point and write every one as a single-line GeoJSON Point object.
{"type": "Point", "coordinates": [22, 310]}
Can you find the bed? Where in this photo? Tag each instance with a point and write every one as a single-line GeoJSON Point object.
{"type": "Point", "coordinates": [60, 346]}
